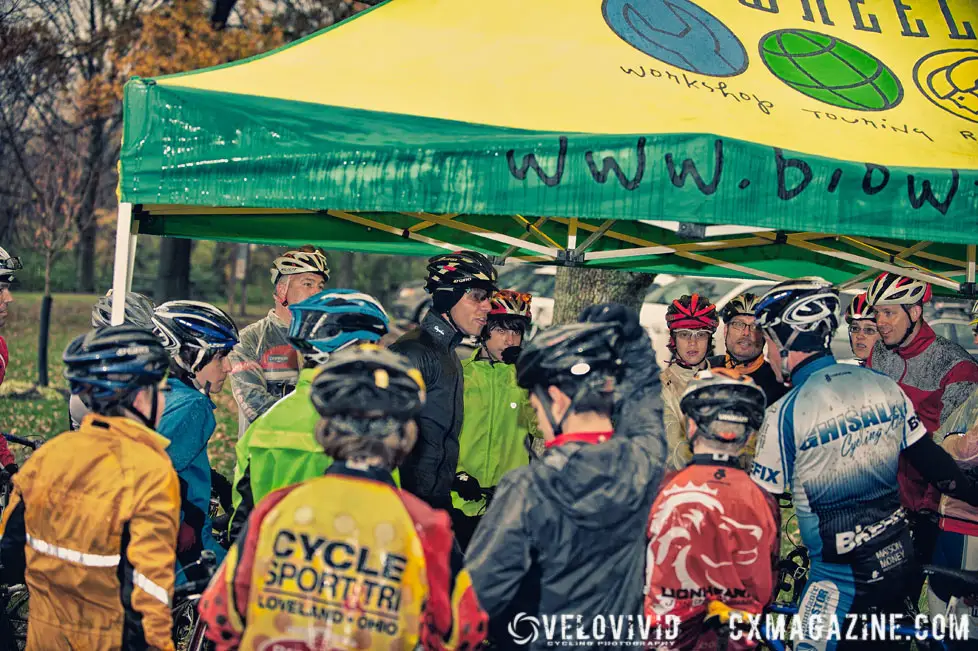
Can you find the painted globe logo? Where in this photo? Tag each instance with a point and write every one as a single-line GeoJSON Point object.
{"type": "Point", "coordinates": [830, 70]}
{"type": "Point", "coordinates": [678, 33]}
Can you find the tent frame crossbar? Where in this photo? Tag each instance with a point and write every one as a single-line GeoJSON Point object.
{"type": "Point", "coordinates": [534, 245]}
{"type": "Point", "coordinates": [801, 243]}
{"type": "Point", "coordinates": [546, 251]}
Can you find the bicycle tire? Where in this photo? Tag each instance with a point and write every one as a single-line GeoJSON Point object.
{"type": "Point", "coordinates": [13, 619]}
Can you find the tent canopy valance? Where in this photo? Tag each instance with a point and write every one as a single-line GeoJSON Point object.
{"type": "Point", "coordinates": [854, 121]}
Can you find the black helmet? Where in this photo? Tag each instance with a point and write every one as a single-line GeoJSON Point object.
{"type": "Point", "coordinates": [726, 395]}
{"type": "Point", "coordinates": [108, 366]}
{"type": "Point", "coordinates": [194, 332]}
{"type": "Point", "coordinates": [367, 379]}
{"type": "Point", "coordinates": [450, 275]}
{"type": "Point", "coordinates": [139, 311]}
{"type": "Point", "coordinates": [579, 358]}
{"type": "Point", "coordinates": [800, 315]}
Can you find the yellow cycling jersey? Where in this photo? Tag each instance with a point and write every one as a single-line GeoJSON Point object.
{"type": "Point", "coordinates": [343, 561]}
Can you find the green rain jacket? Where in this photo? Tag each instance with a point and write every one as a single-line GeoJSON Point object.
{"type": "Point", "coordinates": [279, 449]}
{"type": "Point", "coordinates": [498, 416]}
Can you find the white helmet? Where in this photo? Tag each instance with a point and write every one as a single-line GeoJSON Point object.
{"type": "Point", "coordinates": [891, 289]}
{"type": "Point", "coordinates": [299, 262]}
{"type": "Point", "coordinates": [8, 265]}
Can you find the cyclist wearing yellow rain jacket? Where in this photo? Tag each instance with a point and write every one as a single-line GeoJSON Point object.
{"type": "Point", "coordinates": [347, 560]}
{"type": "Point", "coordinates": [495, 442]}
{"type": "Point", "coordinates": [92, 522]}
{"type": "Point", "coordinates": [280, 448]}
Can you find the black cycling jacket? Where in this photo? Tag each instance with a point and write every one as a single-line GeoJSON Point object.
{"type": "Point", "coordinates": [566, 534]}
{"type": "Point", "coordinates": [429, 471]}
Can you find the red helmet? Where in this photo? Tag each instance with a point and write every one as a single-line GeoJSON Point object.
{"type": "Point", "coordinates": [859, 309]}
{"type": "Point", "coordinates": [507, 302]}
{"type": "Point", "coordinates": [692, 313]}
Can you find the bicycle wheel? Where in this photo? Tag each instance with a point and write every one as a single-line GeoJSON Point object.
{"type": "Point", "coordinates": [13, 629]}
{"type": "Point", "coordinates": [184, 621]}
{"type": "Point", "coordinates": [197, 640]}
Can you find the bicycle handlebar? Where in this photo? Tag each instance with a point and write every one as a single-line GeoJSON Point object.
{"type": "Point", "coordinates": [207, 560]}
{"type": "Point", "coordinates": [27, 443]}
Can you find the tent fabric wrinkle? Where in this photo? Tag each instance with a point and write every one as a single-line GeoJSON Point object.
{"type": "Point", "coordinates": [845, 137]}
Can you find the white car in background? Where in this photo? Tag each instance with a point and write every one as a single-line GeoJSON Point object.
{"type": "Point", "coordinates": [539, 281]}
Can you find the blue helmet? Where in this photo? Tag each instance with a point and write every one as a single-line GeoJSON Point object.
{"type": "Point", "coordinates": [333, 319]}
{"type": "Point", "coordinates": [108, 366]}
{"type": "Point", "coordinates": [194, 332]}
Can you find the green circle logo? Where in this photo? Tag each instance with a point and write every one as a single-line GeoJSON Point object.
{"type": "Point", "coordinates": [830, 70]}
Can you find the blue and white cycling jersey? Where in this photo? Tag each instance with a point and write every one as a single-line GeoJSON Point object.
{"type": "Point", "coordinates": [834, 441]}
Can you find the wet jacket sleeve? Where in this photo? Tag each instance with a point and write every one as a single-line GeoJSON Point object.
{"type": "Point", "coordinates": [224, 605]}
{"type": "Point", "coordinates": [13, 538]}
{"type": "Point", "coordinates": [674, 425]}
{"type": "Point", "coordinates": [151, 552]}
{"type": "Point", "coordinates": [188, 427]}
{"type": "Point", "coordinates": [940, 470]}
{"type": "Point", "coordinates": [957, 386]}
{"type": "Point", "coordinates": [248, 378]}
{"type": "Point", "coordinates": [453, 618]}
{"type": "Point", "coordinates": [418, 472]}
{"type": "Point", "coordinates": [499, 556]}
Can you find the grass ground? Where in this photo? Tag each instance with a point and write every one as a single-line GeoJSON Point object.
{"type": "Point", "coordinates": [26, 410]}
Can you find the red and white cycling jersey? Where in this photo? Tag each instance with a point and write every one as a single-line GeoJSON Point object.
{"type": "Point", "coordinates": [713, 536]}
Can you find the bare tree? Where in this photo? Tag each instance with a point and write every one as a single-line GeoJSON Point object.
{"type": "Point", "coordinates": [53, 213]}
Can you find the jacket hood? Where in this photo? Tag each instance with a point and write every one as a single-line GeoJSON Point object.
{"type": "Point", "coordinates": [597, 485]}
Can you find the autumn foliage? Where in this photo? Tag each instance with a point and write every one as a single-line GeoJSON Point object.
{"type": "Point", "coordinates": [177, 37]}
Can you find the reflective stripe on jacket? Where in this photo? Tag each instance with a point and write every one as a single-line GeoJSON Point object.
{"type": "Point", "coordinates": [92, 527]}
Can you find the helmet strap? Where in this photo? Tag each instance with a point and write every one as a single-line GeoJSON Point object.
{"type": "Point", "coordinates": [544, 397]}
{"type": "Point", "coordinates": [451, 321]}
{"type": "Point", "coordinates": [153, 411]}
{"type": "Point", "coordinates": [285, 299]}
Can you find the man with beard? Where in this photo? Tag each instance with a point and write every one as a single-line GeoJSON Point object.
{"type": "Point", "coordinates": [745, 347]}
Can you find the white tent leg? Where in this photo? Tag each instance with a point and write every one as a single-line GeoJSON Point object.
{"type": "Point", "coordinates": [124, 246]}
{"type": "Point", "coordinates": [971, 263]}
{"type": "Point", "coordinates": [132, 261]}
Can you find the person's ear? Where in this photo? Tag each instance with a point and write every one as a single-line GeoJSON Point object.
{"type": "Point", "coordinates": [915, 312]}
{"type": "Point", "coordinates": [560, 402]}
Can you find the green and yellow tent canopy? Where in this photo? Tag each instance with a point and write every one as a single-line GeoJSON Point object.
{"type": "Point", "coordinates": [564, 131]}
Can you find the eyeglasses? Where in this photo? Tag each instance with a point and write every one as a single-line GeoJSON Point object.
{"type": "Point", "coordinates": [693, 335]}
{"type": "Point", "coordinates": [740, 326]}
{"type": "Point", "coordinates": [869, 331]}
{"type": "Point", "coordinates": [478, 295]}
